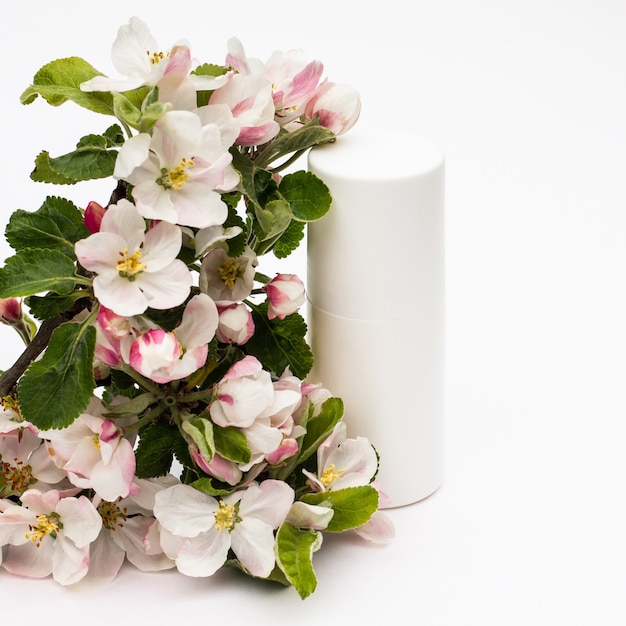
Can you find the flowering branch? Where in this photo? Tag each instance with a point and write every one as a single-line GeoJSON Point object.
{"type": "Point", "coordinates": [167, 381]}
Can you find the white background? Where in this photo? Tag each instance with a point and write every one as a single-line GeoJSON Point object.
{"type": "Point", "coordinates": [528, 101]}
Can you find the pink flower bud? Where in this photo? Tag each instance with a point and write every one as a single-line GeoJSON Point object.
{"type": "Point", "coordinates": [285, 295]}
{"type": "Point", "coordinates": [337, 105]}
{"type": "Point", "coordinates": [10, 311]}
{"type": "Point", "coordinates": [235, 324]}
{"type": "Point", "coordinates": [93, 216]}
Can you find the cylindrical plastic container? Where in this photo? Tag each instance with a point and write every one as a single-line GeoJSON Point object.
{"type": "Point", "coordinates": [376, 291]}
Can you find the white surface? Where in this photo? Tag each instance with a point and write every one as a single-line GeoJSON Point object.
{"type": "Point", "coordinates": [376, 287]}
{"type": "Point", "coordinates": [527, 100]}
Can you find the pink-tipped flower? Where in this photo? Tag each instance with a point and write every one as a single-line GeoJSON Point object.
{"type": "Point", "coordinates": [285, 295]}
{"type": "Point", "coordinates": [95, 454]}
{"type": "Point", "coordinates": [243, 395]}
{"type": "Point", "coordinates": [293, 79]}
{"type": "Point", "coordinates": [251, 103]}
{"type": "Point", "coordinates": [165, 356]}
{"type": "Point", "coordinates": [338, 107]}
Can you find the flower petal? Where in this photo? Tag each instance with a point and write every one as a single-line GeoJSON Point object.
{"type": "Point", "coordinates": [184, 511]}
{"type": "Point", "coordinates": [205, 554]}
{"type": "Point", "coordinates": [253, 542]}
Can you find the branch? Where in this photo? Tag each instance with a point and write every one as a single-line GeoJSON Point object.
{"type": "Point", "coordinates": [118, 193]}
{"type": "Point", "coordinates": [32, 351]}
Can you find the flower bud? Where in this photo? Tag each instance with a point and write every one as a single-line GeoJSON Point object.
{"type": "Point", "coordinates": [235, 324]}
{"type": "Point", "coordinates": [10, 311]}
{"type": "Point", "coordinates": [285, 295]}
{"type": "Point", "coordinates": [93, 216]}
{"type": "Point", "coordinates": [337, 105]}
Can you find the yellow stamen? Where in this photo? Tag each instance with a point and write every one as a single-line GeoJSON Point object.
{"type": "Point", "coordinates": [112, 516]}
{"type": "Point", "coordinates": [330, 475]}
{"type": "Point", "coordinates": [15, 479]}
{"type": "Point", "coordinates": [156, 57]}
{"type": "Point", "coordinates": [226, 516]}
{"type": "Point", "coordinates": [10, 403]}
{"type": "Point", "coordinates": [228, 272]}
{"type": "Point", "coordinates": [46, 525]}
{"type": "Point", "coordinates": [130, 266]}
{"type": "Point", "coordinates": [177, 176]}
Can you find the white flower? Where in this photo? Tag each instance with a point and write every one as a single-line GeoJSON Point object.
{"type": "Point", "coordinates": [95, 454]}
{"type": "Point", "coordinates": [135, 270]}
{"type": "Point", "coordinates": [25, 463]}
{"type": "Point", "coordinates": [228, 280]}
{"type": "Point", "coordinates": [128, 528]}
{"type": "Point", "coordinates": [343, 462]}
{"type": "Point", "coordinates": [137, 57]}
{"type": "Point", "coordinates": [178, 172]}
{"type": "Point", "coordinates": [49, 534]}
{"type": "Point", "coordinates": [198, 530]}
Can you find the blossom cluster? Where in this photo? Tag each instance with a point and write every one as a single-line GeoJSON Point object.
{"type": "Point", "coordinates": [169, 421]}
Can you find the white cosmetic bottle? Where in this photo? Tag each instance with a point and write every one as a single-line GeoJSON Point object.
{"type": "Point", "coordinates": [376, 290]}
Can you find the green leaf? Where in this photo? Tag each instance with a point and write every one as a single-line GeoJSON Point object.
{"type": "Point", "coordinates": [257, 184]}
{"type": "Point", "coordinates": [279, 344]}
{"type": "Point", "coordinates": [210, 69]}
{"type": "Point", "coordinates": [132, 407]}
{"type": "Point", "coordinates": [200, 430]}
{"type": "Point", "coordinates": [287, 143]}
{"type": "Point", "coordinates": [52, 304]}
{"type": "Point", "coordinates": [205, 484]}
{"type": "Point", "coordinates": [91, 160]}
{"type": "Point", "coordinates": [231, 444]}
{"type": "Point", "coordinates": [86, 163]}
{"type": "Point", "coordinates": [207, 69]}
{"type": "Point", "coordinates": [236, 245]}
{"type": "Point", "coordinates": [307, 195]}
{"type": "Point", "coordinates": [272, 219]}
{"type": "Point", "coordinates": [60, 80]}
{"type": "Point", "coordinates": [154, 452]}
{"type": "Point", "coordinates": [289, 241]}
{"type": "Point", "coordinates": [34, 271]}
{"type": "Point", "coordinates": [58, 224]}
{"type": "Point", "coordinates": [294, 554]}
{"type": "Point", "coordinates": [57, 388]}
{"type": "Point", "coordinates": [353, 506]}
{"type": "Point", "coordinates": [114, 136]}
{"type": "Point", "coordinates": [319, 427]}
{"type": "Point", "coordinates": [44, 173]}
